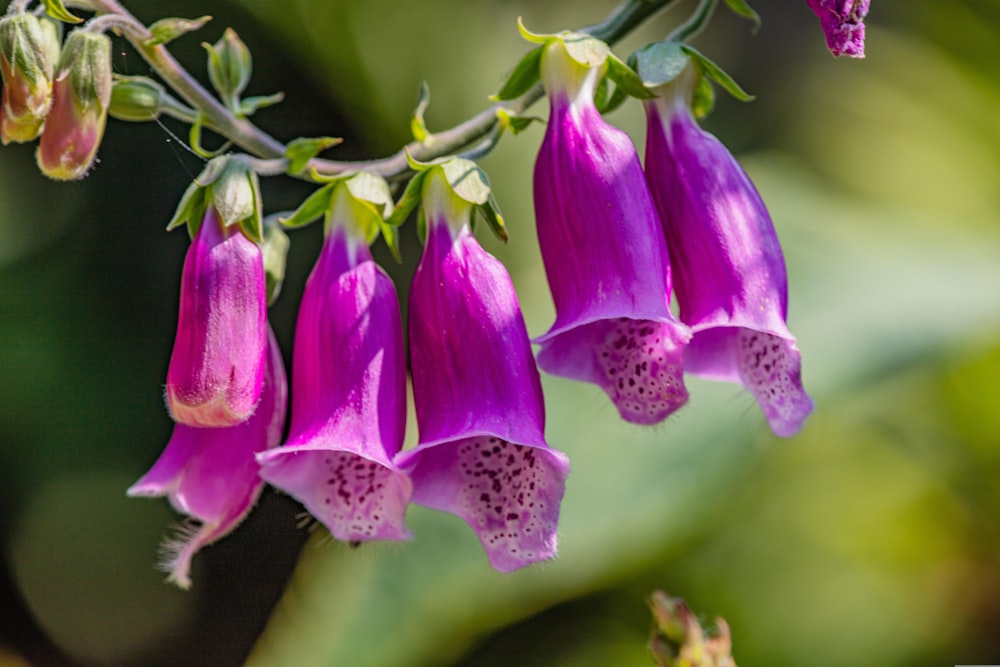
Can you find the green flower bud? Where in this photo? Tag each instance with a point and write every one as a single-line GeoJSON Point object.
{"type": "Point", "coordinates": [26, 63]}
{"type": "Point", "coordinates": [81, 95]}
{"type": "Point", "coordinates": [136, 98]}
{"type": "Point", "coordinates": [229, 67]}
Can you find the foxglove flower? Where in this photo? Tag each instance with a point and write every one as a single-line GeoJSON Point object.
{"type": "Point", "coordinates": [81, 93]}
{"type": "Point", "coordinates": [482, 454]}
{"type": "Point", "coordinates": [217, 365]}
{"type": "Point", "coordinates": [843, 24]}
{"type": "Point", "coordinates": [604, 254]}
{"type": "Point", "coordinates": [28, 50]}
{"type": "Point", "coordinates": [728, 268]}
{"type": "Point", "coordinates": [210, 474]}
{"type": "Point", "coordinates": [349, 392]}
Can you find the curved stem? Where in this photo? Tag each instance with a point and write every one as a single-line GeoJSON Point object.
{"type": "Point", "coordinates": [693, 25]}
{"type": "Point", "coordinates": [625, 18]}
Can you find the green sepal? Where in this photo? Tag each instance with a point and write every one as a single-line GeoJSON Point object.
{"type": "Point", "coordinates": [418, 127]}
{"type": "Point", "coordinates": [314, 206]}
{"type": "Point", "coordinates": [253, 226]}
{"type": "Point", "coordinates": [534, 38]}
{"type": "Point", "coordinates": [661, 62]}
{"type": "Point", "coordinates": [57, 10]}
{"type": "Point", "coordinates": [515, 123]}
{"type": "Point", "coordinates": [703, 98]}
{"type": "Point", "coordinates": [584, 49]}
{"type": "Point", "coordinates": [716, 74]}
{"type": "Point", "coordinates": [493, 217]}
{"type": "Point", "coordinates": [190, 209]}
{"type": "Point", "coordinates": [409, 201]}
{"type": "Point", "coordinates": [167, 30]}
{"type": "Point", "coordinates": [371, 190]}
{"type": "Point", "coordinates": [523, 77]}
{"type": "Point", "coordinates": [236, 198]}
{"type": "Point", "coordinates": [390, 235]}
{"type": "Point", "coordinates": [467, 180]}
{"type": "Point", "coordinates": [626, 79]}
{"type": "Point", "coordinates": [275, 250]}
{"type": "Point", "coordinates": [746, 11]}
{"type": "Point", "coordinates": [300, 151]}
{"type": "Point", "coordinates": [252, 105]}
{"type": "Point", "coordinates": [194, 139]}
{"type": "Point", "coordinates": [611, 102]}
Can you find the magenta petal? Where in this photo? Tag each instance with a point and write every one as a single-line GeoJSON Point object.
{"type": "Point", "coordinates": [843, 24]}
{"type": "Point", "coordinates": [210, 474]}
{"type": "Point", "coordinates": [605, 256]}
{"type": "Point", "coordinates": [348, 399]}
{"type": "Point", "coordinates": [217, 364]}
{"type": "Point", "coordinates": [508, 493]}
{"type": "Point", "coordinates": [729, 272]}
{"type": "Point", "coordinates": [482, 452]}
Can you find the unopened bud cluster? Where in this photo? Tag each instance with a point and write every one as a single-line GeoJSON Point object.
{"type": "Point", "coordinates": [57, 92]}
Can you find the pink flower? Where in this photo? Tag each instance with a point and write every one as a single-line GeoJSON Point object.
{"type": "Point", "coordinates": [482, 453]}
{"type": "Point", "coordinates": [210, 474]}
{"type": "Point", "coordinates": [349, 391]}
{"type": "Point", "coordinates": [217, 365]}
{"type": "Point", "coordinates": [843, 24]}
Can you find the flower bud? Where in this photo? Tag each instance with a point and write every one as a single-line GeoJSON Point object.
{"type": "Point", "coordinates": [136, 99]}
{"type": "Point", "coordinates": [229, 66]}
{"type": "Point", "coordinates": [81, 94]}
{"type": "Point", "coordinates": [26, 62]}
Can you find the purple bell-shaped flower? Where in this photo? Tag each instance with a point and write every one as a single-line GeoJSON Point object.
{"type": "Point", "coordinates": [729, 273]}
{"type": "Point", "coordinates": [348, 391]}
{"type": "Point", "coordinates": [604, 253]}
{"type": "Point", "coordinates": [482, 453]}
{"type": "Point", "coordinates": [210, 474]}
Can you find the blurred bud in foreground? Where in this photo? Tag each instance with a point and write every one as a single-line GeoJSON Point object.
{"type": "Point", "coordinates": [81, 94]}
{"type": "Point", "coordinates": [28, 51]}
{"type": "Point", "coordinates": [678, 639]}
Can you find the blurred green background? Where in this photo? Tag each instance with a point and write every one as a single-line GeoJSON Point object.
{"type": "Point", "coordinates": [871, 538]}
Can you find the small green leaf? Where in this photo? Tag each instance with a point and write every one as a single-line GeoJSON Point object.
{"type": "Point", "coordinates": [252, 105]}
{"type": "Point", "coordinates": [300, 151]}
{"type": "Point", "coordinates": [391, 236]}
{"type": "Point", "coordinates": [626, 79]}
{"type": "Point", "coordinates": [275, 251]}
{"type": "Point", "coordinates": [661, 62]}
{"type": "Point", "coordinates": [190, 207]}
{"type": "Point", "coordinates": [57, 10]}
{"type": "Point", "coordinates": [524, 76]}
{"type": "Point", "coordinates": [491, 213]}
{"type": "Point", "coordinates": [408, 202]}
{"type": "Point", "coordinates": [253, 225]}
{"type": "Point", "coordinates": [312, 208]}
{"type": "Point", "coordinates": [167, 30]}
{"type": "Point", "coordinates": [467, 180]}
{"type": "Point", "coordinates": [746, 11]}
{"type": "Point", "coordinates": [586, 50]}
{"type": "Point", "coordinates": [515, 123]}
{"type": "Point", "coordinates": [715, 73]}
{"type": "Point", "coordinates": [417, 125]}
{"type": "Point", "coordinates": [703, 98]}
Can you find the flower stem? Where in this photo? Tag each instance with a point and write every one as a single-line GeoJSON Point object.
{"type": "Point", "coordinates": [625, 18]}
{"type": "Point", "coordinates": [694, 25]}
